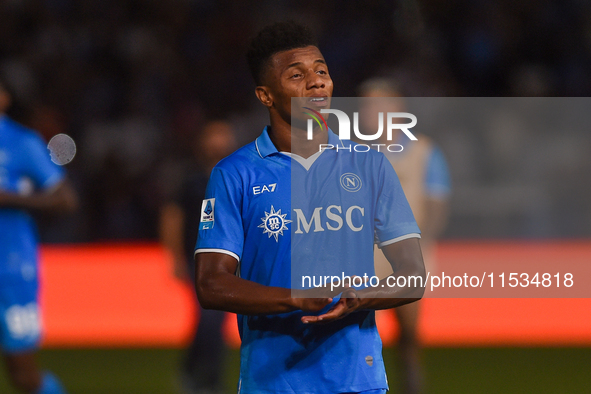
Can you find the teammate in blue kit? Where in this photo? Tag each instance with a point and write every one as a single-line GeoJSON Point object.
{"type": "Point", "coordinates": [279, 207]}
{"type": "Point", "coordinates": [29, 181]}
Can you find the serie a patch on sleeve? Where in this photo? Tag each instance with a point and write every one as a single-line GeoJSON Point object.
{"type": "Point", "coordinates": [207, 214]}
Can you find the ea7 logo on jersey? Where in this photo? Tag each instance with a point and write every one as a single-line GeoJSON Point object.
{"type": "Point", "coordinates": [265, 188]}
{"type": "Point", "coordinates": [274, 223]}
{"type": "Point", "coordinates": [207, 214]}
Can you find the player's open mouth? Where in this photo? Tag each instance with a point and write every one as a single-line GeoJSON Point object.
{"type": "Point", "coordinates": [318, 101]}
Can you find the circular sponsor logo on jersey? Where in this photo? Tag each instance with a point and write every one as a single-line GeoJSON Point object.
{"type": "Point", "coordinates": [350, 182]}
{"type": "Point", "coordinates": [274, 223]}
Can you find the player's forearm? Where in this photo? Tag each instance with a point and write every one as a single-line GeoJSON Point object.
{"type": "Point", "coordinates": [407, 263]}
{"type": "Point", "coordinates": [227, 292]}
{"type": "Point", "coordinates": [381, 296]}
{"type": "Point", "coordinates": [62, 199]}
{"type": "Point", "coordinates": [33, 202]}
{"type": "Point", "coordinates": [386, 296]}
{"type": "Point", "coordinates": [218, 288]}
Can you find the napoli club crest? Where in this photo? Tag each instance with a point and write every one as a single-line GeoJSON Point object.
{"type": "Point", "coordinates": [274, 223]}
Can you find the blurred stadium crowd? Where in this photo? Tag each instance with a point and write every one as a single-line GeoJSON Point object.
{"type": "Point", "coordinates": [133, 82]}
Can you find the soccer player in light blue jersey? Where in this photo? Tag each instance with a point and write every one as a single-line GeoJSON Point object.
{"type": "Point", "coordinates": [278, 207]}
{"type": "Point", "coordinates": [29, 181]}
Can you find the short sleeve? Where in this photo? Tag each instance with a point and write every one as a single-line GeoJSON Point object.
{"type": "Point", "coordinates": [220, 227]}
{"type": "Point", "coordinates": [394, 220]}
{"type": "Point", "coordinates": [437, 179]}
{"type": "Point", "coordinates": [38, 165]}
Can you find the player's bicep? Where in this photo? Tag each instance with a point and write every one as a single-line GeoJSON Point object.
{"type": "Point", "coordinates": [212, 276]}
{"type": "Point", "coordinates": [405, 256]}
{"type": "Point", "coordinates": [212, 263]}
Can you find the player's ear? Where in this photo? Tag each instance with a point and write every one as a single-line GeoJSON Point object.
{"type": "Point", "coordinates": [264, 95]}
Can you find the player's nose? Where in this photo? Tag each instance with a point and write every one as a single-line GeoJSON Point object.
{"type": "Point", "coordinates": [316, 81]}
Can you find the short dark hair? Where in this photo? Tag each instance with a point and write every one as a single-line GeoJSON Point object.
{"type": "Point", "coordinates": [278, 37]}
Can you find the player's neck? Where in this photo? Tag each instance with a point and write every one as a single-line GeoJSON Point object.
{"type": "Point", "coordinates": [293, 140]}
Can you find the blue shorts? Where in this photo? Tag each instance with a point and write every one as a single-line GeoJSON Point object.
{"type": "Point", "coordinates": [20, 322]}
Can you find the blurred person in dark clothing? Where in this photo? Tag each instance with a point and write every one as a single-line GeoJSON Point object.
{"type": "Point", "coordinates": [29, 183]}
{"type": "Point", "coordinates": [179, 225]}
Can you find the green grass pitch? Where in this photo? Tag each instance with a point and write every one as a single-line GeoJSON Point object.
{"type": "Point", "coordinates": [448, 370]}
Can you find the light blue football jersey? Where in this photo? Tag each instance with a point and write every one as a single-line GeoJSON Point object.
{"type": "Point", "coordinates": [281, 216]}
{"type": "Point", "coordinates": [25, 167]}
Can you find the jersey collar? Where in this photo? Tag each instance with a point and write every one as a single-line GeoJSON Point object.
{"type": "Point", "coordinates": [265, 146]}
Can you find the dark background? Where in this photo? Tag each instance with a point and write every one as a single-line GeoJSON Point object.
{"type": "Point", "coordinates": [133, 81]}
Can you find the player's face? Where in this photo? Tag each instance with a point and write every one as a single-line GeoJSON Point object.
{"type": "Point", "coordinates": [300, 72]}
